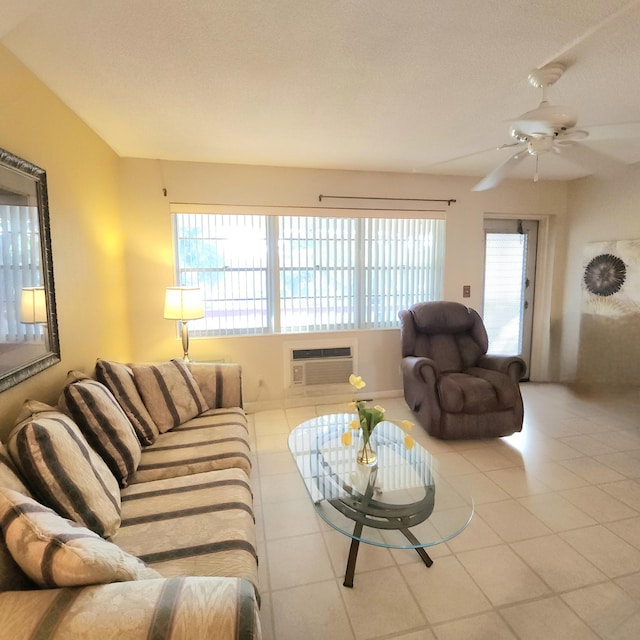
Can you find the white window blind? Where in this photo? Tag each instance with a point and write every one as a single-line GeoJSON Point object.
{"type": "Point", "coordinates": [20, 266]}
{"type": "Point", "coordinates": [284, 274]}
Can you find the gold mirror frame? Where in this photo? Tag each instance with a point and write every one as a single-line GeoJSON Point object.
{"type": "Point", "coordinates": [39, 348]}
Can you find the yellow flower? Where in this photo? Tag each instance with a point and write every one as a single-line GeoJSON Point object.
{"type": "Point", "coordinates": [408, 443]}
{"type": "Point", "coordinates": [354, 424]}
{"type": "Point", "coordinates": [346, 438]}
{"type": "Point", "coordinates": [357, 381]}
{"type": "Point", "coordinates": [406, 425]}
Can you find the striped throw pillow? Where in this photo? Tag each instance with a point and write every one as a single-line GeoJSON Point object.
{"type": "Point", "coordinates": [55, 552]}
{"type": "Point", "coordinates": [118, 378]}
{"type": "Point", "coordinates": [105, 426]}
{"type": "Point", "coordinates": [9, 476]}
{"type": "Point", "coordinates": [64, 472]}
{"type": "Point", "coordinates": [170, 393]}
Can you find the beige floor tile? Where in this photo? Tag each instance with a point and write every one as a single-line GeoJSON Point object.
{"type": "Point", "coordinates": [548, 483]}
{"type": "Point", "coordinates": [627, 491]}
{"type": "Point", "coordinates": [446, 591]}
{"type": "Point", "coordinates": [627, 464]}
{"type": "Point", "coordinates": [423, 634]}
{"type": "Point", "coordinates": [477, 535]}
{"type": "Point", "coordinates": [517, 482]}
{"type": "Point", "coordinates": [548, 619]}
{"type": "Point", "coordinates": [503, 577]}
{"type": "Point", "coordinates": [297, 561]}
{"type": "Point", "coordinates": [556, 512]}
{"type": "Point", "coordinates": [281, 487]}
{"type": "Point", "coordinates": [556, 476]}
{"type": "Point", "coordinates": [612, 555]}
{"type": "Point", "coordinates": [486, 626]}
{"type": "Point", "coordinates": [487, 459]}
{"type": "Point", "coordinates": [288, 519]}
{"type": "Point", "coordinates": [380, 603]}
{"type": "Point", "coordinates": [266, 616]}
{"type": "Point", "coordinates": [631, 586]}
{"type": "Point", "coordinates": [598, 504]}
{"type": "Point", "coordinates": [628, 530]}
{"type": "Point", "coordinates": [511, 521]}
{"type": "Point", "coordinates": [604, 607]}
{"type": "Point", "coordinates": [370, 557]}
{"type": "Point", "coordinates": [557, 563]}
{"type": "Point", "coordinates": [588, 445]}
{"type": "Point", "coordinates": [275, 462]}
{"type": "Point", "coordinates": [270, 422]}
{"type": "Point", "coordinates": [591, 470]}
{"type": "Point", "coordinates": [479, 486]}
{"type": "Point", "coordinates": [311, 612]}
{"type": "Point", "coordinates": [452, 464]}
{"type": "Point", "coordinates": [272, 442]}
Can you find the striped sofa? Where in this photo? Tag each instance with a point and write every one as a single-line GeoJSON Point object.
{"type": "Point", "coordinates": [126, 511]}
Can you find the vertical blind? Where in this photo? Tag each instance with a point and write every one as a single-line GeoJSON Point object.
{"type": "Point", "coordinates": [20, 266]}
{"type": "Point", "coordinates": [283, 274]}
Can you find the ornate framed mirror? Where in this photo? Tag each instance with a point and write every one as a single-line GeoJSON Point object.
{"type": "Point", "coordinates": [29, 341]}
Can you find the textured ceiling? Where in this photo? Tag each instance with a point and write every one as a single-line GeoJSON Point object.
{"type": "Point", "coordinates": [352, 84]}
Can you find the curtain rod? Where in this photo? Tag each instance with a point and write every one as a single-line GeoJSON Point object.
{"type": "Point", "coordinates": [449, 201]}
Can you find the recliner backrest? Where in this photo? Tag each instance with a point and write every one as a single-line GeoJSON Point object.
{"type": "Point", "coordinates": [449, 333]}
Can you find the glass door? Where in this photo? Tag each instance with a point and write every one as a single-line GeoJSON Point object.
{"type": "Point", "coordinates": [509, 282]}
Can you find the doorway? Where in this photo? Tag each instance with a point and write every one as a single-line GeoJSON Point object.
{"type": "Point", "coordinates": [509, 285]}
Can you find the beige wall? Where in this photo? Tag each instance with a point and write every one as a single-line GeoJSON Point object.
{"type": "Point", "coordinates": [599, 350]}
{"type": "Point", "coordinates": [147, 223]}
{"type": "Point", "coordinates": [82, 175]}
{"type": "Point", "coordinates": [113, 252]}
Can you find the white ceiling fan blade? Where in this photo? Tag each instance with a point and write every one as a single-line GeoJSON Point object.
{"type": "Point", "coordinates": [586, 157]}
{"type": "Point", "coordinates": [501, 172]}
{"type": "Point", "coordinates": [614, 131]}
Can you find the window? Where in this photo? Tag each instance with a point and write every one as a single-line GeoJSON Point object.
{"type": "Point", "coordinates": [284, 274]}
{"type": "Point", "coordinates": [19, 267]}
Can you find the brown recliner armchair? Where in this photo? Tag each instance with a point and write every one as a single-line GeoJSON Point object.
{"type": "Point", "coordinates": [452, 386]}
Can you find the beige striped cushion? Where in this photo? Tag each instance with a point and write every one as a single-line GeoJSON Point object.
{"type": "Point", "coordinates": [220, 383]}
{"type": "Point", "coordinates": [179, 608]}
{"type": "Point", "coordinates": [65, 473]}
{"type": "Point", "coordinates": [55, 552]}
{"type": "Point", "coordinates": [118, 378]}
{"type": "Point", "coordinates": [9, 476]}
{"type": "Point", "coordinates": [105, 426]}
{"type": "Point", "coordinates": [11, 575]}
{"type": "Point", "coordinates": [170, 393]}
{"type": "Point", "coordinates": [199, 525]}
{"type": "Point", "coordinates": [217, 439]}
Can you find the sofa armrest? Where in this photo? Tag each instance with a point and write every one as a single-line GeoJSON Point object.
{"type": "Point", "coordinates": [513, 366]}
{"type": "Point", "coordinates": [220, 383]}
{"type": "Point", "coordinates": [176, 608]}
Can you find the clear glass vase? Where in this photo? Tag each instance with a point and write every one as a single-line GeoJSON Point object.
{"type": "Point", "coordinates": [367, 456]}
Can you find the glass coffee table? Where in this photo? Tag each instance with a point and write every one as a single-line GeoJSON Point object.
{"type": "Point", "coordinates": [400, 503]}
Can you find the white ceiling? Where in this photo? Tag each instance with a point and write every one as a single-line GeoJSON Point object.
{"type": "Point", "coordinates": [387, 85]}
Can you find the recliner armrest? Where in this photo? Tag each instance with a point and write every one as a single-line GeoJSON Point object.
{"type": "Point", "coordinates": [513, 366]}
{"type": "Point", "coordinates": [420, 367]}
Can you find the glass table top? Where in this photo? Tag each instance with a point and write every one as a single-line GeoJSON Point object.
{"type": "Point", "coordinates": [400, 503]}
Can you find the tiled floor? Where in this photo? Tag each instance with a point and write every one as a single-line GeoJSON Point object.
{"type": "Point", "coordinates": [552, 552]}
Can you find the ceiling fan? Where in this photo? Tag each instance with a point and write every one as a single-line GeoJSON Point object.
{"type": "Point", "coordinates": [546, 129]}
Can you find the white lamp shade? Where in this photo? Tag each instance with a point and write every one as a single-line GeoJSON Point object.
{"type": "Point", "coordinates": [33, 306]}
{"type": "Point", "coordinates": [183, 303]}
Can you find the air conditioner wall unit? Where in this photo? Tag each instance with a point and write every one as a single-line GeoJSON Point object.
{"type": "Point", "coordinates": [321, 365]}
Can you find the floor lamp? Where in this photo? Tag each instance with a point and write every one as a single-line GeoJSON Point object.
{"type": "Point", "coordinates": [184, 304]}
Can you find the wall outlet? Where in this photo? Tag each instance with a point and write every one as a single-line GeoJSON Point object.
{"type": "Point", "coordinates": [466, 291]}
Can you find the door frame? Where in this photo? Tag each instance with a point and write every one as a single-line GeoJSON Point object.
{"type": "Point", "coordinates": [541, 333]}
